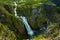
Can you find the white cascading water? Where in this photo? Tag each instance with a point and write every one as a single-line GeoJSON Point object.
{"type": "Point", "coordinates": [15, 9]}
{"type": "Point", "coordinates": [25, 22]}
{"type": "Point", "coordinates": [28, 28]}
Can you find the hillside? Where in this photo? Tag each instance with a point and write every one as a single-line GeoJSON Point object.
{"type": "Point", "coordinates": [43, 16]}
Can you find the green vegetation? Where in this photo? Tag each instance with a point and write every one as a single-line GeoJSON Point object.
{"type": "Point", "coordinates": [13, 28]}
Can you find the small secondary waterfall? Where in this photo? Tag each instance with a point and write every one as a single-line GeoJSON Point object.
{"type": "Point", "coordinates": [25, 22]}
{"type": "Point", "coordinates": [15, 9]}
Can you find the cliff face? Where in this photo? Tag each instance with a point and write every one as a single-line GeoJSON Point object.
{"type": "Point", "coordinates": [37, 17]}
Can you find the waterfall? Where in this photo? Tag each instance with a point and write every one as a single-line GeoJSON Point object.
{"type": "Point", "coordinates": [25, 22]}
{"type": "Point", "coordinates": [28, 28]}
{"type": "Point", "coordinates": [15, 9]}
